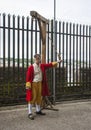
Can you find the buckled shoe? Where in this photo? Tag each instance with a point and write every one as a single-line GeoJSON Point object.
{"type": "Point", "coordinates": [30, 116]}
{"type": "Point", "coordinates": [40, 113]}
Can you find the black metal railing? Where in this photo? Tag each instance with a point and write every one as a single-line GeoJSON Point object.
{"type": "Point", "coordinates": [20, 39]}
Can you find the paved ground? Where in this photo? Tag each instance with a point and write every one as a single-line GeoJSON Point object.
{"type": "Point", "coordinates": [71, 116]}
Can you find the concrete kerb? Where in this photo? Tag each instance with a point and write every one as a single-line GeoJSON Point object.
{"type": "Point", "coordinates": [23, 107]}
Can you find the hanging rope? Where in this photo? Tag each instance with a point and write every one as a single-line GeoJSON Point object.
{"type": "Point", "coordinates": [58, 54]}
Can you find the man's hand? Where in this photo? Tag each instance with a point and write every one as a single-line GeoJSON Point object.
{"type": "Point", "coordinates": [59, 61]}
{"type": "Point", "coordinates": [28, 85]}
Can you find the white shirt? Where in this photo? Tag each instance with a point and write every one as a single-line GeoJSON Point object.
{"type": "Point", "coordinates": [37, 73]}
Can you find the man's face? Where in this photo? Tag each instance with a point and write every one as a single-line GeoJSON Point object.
{"type": "Point", "coordinates": [37, 60]}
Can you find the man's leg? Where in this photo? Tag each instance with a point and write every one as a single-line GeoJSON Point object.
{"type": "Point", "coordinates": [37, 108]}
{"type": "Point", "coordinates": [32, 101]}
{"type": "Point", "coordinates": [39, 99]}
{"type": "Point", "coordinates": [30, 116]}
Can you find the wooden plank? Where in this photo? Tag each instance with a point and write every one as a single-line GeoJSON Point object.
{"type": "Point", "coordinates": [42, 26]}
{"type": "Point", "coordinates": [38, 16]}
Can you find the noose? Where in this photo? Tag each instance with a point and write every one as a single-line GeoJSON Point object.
{"type": "Point", "coordinates": [58, 54]}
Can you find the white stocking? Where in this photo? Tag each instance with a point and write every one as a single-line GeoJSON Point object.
{"type": "Point", "coordinates": [37, 108]}
{"type": "Point", "coordinates": [29, 108]}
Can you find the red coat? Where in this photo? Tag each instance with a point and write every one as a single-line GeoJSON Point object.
{"type": "Point", "coordinates": [30, 76]}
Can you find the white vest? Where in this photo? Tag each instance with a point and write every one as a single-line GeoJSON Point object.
{"type": "Point", "coordinates": [37, 73]}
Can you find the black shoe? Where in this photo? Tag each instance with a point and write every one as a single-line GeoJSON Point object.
{"type": "Point", "coordinates": [40, 113]}
{"type": "Point", "coordinates": [30, 116]}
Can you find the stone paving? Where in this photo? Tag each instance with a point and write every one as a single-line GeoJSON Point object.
{"type": "Point", "coordinates": [70, 116]}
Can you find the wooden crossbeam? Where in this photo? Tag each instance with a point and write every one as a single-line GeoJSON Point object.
{"type": "Point", "coordinates": [36, 15]}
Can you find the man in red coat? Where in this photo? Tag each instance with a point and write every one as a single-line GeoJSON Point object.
{"type": "Point", "coordinates": [36, 84]}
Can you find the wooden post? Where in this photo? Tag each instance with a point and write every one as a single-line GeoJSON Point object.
{"type": "Point", "coordinates": [42, 26]}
